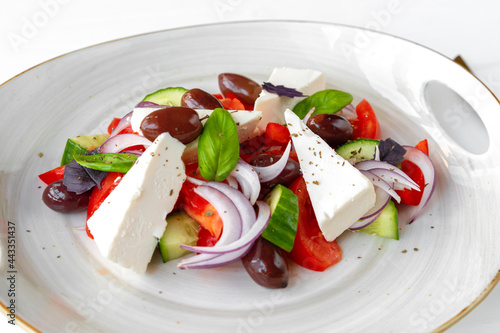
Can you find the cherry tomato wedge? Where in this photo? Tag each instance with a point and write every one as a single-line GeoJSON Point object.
{"type": "Point", "coordinates": [231, 103]}
{"type": "Point", "coordinates": [200, 209]}
{"type": "Point", "coordinates": [423, 146]}
{"type": "Point", "coordinates": [205, 238]}
{"type": "Point", "coordinates": [366, 124]}
{"type": "Point", "coordinates": [264, 143]}
{"type": "Point", "coordinates": [410, 196]}
{"type": "Point", "coordinates": [277, 132]}
{"type": "Point", "coordinates": [248, 107]}
{"type": "Point", "coordinates": [52, 175]}
{"type": "Point", "coordinates": [98, 196]}
{"type": "Point", "coordinates": [311, 250]}
{"type": "Point", "coordinates": [114, 123]}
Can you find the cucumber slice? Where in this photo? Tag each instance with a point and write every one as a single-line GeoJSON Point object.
{"type": "Point", "coordinates": [169, 96]}
{"type": "Point", "coordinates": [181, 229]}
{"type": "Point", "coordinates": [282, 226]}
{"type": "Point", "coordinates": [79, 145]}
{"type": "Point", "coordinates": [360, 149]}
{"type": "Point", "coordinates": [386, 225]}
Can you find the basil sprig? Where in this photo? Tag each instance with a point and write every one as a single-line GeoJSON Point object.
{"type": "Point", "coordinates": [107, 162]}
{"type": "Point", "coordinates": [324, 101]}
{"type": "Point", "coordinates": [218, 147]}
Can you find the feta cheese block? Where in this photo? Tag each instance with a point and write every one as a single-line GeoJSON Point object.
{"type": "Point", "coordinates": [246, 123]}
{"type": "Point", "coordinates": [127, 225]}
{"type": "Point", "coordinates": [339, 193]}
{"type": "Point", "coordinates": [273, 106]}
{"type": "Point", "coordinates": [138, 116]}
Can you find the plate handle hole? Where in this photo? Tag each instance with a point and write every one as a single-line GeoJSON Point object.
{"type": "Point", "coordinates": [457, 117]}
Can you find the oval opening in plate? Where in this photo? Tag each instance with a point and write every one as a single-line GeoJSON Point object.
{"type": "Point", "coordinates": [457, 117]}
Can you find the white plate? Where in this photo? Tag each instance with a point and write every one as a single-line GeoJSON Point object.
{"type": "Point", "coordinates": [381, 285]}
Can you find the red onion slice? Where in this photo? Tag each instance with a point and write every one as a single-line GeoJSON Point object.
{"type": "Point", "coordinates": [408, 213]}
{"type": "Point", "coordinates": [308, 115]}
{"type": "Point", "coordinates": [147, 104]}
{"type": "Point", "coordinates": [122, 124]}
{"type": "Point", "coordinates": [372, 164]}
{"type": "Point", "coordinates": [395, 178]}
{"type": "Point", "coordinates": [230, 218]}
{"type": "Point", "coordinates": [381, 200]}
{"type": "Point", "coordinates": [248, 179]}
{"type": "Point", "coordinates": [360, 224]}
{"type": "Point", "coordinates": [245, 209]}
{"type": "Point", "coordinates": [379, 182]}
{"type": "Point", "coordinates": [206, 260]}
{"type": "Point", "coordinates": [348, 112]}
{"type": "Point", "coordinates": [247, 239]}
{"type": "Point", "coordinates": [232, 181]}
{"type": "Point", "coordinates": [229, 214]}
{"type": "Point", "coordinates": [272, 171]}
{"type": "Point", "coordinates": [121, 142]}
{"type": "Point", "coordinates": [215, 260]}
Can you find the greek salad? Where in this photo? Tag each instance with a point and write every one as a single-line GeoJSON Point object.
{"type": "Point", "coordinates": [264, 173]}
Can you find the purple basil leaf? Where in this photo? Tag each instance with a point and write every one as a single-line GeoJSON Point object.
{"type": "Point", "coordinates": [391, 151]}
{"type": "Point", "coordinates": [79, 179]}
{"type": "Point", "coordinates": [281, 90]}
{"type": "Point", "coordinates": [76, 178]}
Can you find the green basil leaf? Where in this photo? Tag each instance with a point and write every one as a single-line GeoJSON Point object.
{"type": "Point", "coordinates": [219, 146]}
{"type": "Point", "coordinates": [107, 162]}
{"type": "Point", "coordinates": [324, 101]}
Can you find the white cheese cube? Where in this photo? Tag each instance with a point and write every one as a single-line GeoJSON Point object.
{"type": "Point", "coordinates": [273, 106]}
{"type": "Point", "coordinates": [138, 116]}
{"type": "Point", "coordinates": [127, 224]}
{"type": "Point", "coordinates": [339, 193]}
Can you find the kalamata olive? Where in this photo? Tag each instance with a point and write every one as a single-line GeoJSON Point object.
{"type": "Point", "coordinates": [181, 122]}
{"type": "Point", "coordinates": [286, 177]}
{"type": "Point", "coordinates": [266, 265]}
{"type": "Point", "coordinates": [200, 99]}
{"type": "Point", "coordinates": [244, 88]}
{"type": "Point", "coordinates": [332, 128]}
{"type": "Point", "coordinates": [57, 197]}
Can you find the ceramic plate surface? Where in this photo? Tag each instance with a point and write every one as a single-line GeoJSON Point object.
{"type": "Point", "coordinates": [442, 266]}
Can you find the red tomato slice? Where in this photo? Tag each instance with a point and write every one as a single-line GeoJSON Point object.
{"type": "Point", "coordinates": [114, 123]}
{"type": "Point", "coordinates": [200, 209]}
{"type": "Point", "coordinates": [51, 176]}
{"type": "Point", "coordinates": [98, 196]}
{"type": "Point", "coordinates": [423, 146]}
{"type": "Point", "coordinates": [311, 250]}
{"type": "Point", "coordinates": [409, 196]}
{"type": "Point", "coordinates": [277, 132]}
{"type": "Point", "coordinates": [205, 238]}
{"type": "Point", "coordinates": [259, 145]}
{"type": "Point", "coordinates": [366, 125]}
{"type": "Point", "coordinates": [231, 102]}
{"type": "Point", "coordinates": [193, 170]}
{"type": "Point", "coordinates": [246, 106]}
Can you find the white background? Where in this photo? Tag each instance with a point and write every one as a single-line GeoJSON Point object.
{"type": "Point", "coordinates": [34, 31]}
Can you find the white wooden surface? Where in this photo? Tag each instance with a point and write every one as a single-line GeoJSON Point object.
{"type": "Point", "coordinates": [32, 31]}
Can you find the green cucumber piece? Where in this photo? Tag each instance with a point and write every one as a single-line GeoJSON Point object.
{"type": "Point", "coordinates": [169, 96]}
{"type": "Point", "coordinates": [360, 149]}
{"type": "Point", "coordinates": [181, 229]}
{"type": "Point", "coordinates": [386, 225]}
{"type": "Point", "coordinates": [79, 145]}
{"type": "Point", "coordinates": [282, 226]}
